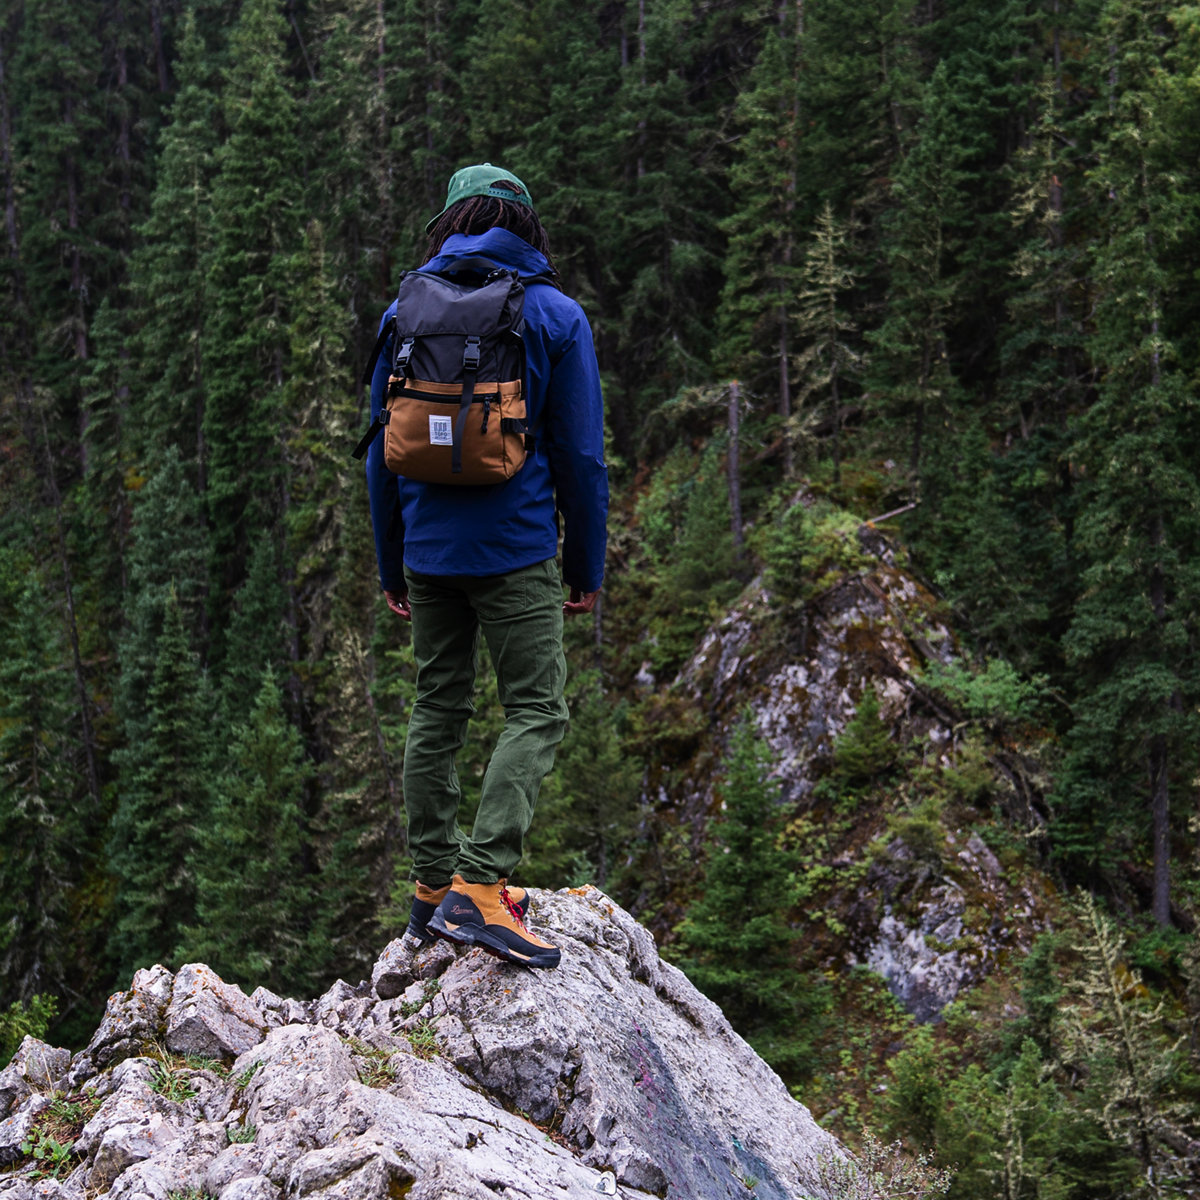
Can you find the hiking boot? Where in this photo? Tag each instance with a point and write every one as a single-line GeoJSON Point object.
{"type": "Point", "coordinates": [425, 903]}
{"type": "Point", "coordinates": [487, 916]}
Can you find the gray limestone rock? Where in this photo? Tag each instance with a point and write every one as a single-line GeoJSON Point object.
{"type": "Point", "coordinates": [35, 1067]}
{"type": "Point", "coordinates": [133, 1123]}
{"type": "Point", "coordinates": [209, 1017]}
{"type": "Point", "coordinates": [476, 1079]}
{"type": "Point", "coordinates": [133, 1021]}
{"type": "Point", "coordinates": [174, 1171]}
{"type": "Point", "coordinates": [278, 1010]}
{"type": "Point", "coordinates": [18, 1125]}
{"type": "Point", "coordinates": [620, 1056]}
{"type": "Point", "coordinates": [43, 1189]}
{"type": "Point", "coordinates": [254, 1188]}
{"type": "Point", "coordinates": [394, 970]}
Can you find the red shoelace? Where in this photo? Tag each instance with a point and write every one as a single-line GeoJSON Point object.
{"type": "Point", "coordinates": [513, 910]}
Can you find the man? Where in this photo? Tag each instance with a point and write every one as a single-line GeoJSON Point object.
{"type": "Point", "coordinates": [461, 560]}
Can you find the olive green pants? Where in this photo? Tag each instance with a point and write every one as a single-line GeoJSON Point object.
{"type": "Point", "coordinates": [520, 615]}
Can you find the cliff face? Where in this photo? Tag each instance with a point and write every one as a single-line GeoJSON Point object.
{"type": "Point", "coordinates": [447, 1076]}
{"type": "Point", "coordinates": [933, 919]}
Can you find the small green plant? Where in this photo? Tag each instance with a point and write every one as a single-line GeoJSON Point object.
{"type": "Point", "coordinates": [240, 1134]}
{"type": "Point", "coordinates": [243, 1079]}
{"type": "Point", "coordinates": [74, 1111]}
{"type": "Point", "coordinates": [171, 1084]}
{"type": "Point", "coordinates": [54, 1156]}
{"type": "Point", "coordinates": [199, 1062]}
{"type": "Point", "coordinates": [422, 1037]}
{"type": "Point", "coordinates": [408, 1007]}
{"type": "Point", "coordinates": [376, 1069]}
{"type": "Point", "coordinates": [191, 1193]}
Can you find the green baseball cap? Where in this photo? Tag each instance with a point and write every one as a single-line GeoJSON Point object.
{"type": "Point", "coordinates": [481, 180]}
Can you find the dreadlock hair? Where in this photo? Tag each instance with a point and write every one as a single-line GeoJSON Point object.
{"type": "Point", "coordinates": [478, 214]}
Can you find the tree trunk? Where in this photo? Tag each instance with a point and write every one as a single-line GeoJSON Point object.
{"type": "Point", "coordinates": [735, 481]}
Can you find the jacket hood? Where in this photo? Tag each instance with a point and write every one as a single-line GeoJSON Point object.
{"type": "Point", "coordinates": [505, 249]}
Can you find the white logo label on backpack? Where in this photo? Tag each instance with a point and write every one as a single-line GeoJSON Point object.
{"type": "Point", "coordinates": [441, 431]}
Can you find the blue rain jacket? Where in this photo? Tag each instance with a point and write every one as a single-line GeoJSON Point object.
{"type": "Point", "coordinates": [448, 530]}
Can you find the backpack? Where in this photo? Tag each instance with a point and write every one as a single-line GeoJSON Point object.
{"type": "Point", "coordinates": [455, 407]}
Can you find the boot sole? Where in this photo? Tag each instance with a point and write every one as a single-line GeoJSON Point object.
{"type": "Point", "coordinates": [473, 935]}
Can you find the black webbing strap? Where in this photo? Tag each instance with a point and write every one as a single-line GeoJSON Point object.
{"type": "Point", "coordinates": [470, 372]}
{"type": "Point", "coordinates": [380, 342]}
{"type": "Point", "coordinates": [372, 433]}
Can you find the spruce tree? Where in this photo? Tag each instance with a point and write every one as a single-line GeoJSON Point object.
{"type": "Point", "coordinates": [1133, 635]}
{"type": "Point", "coordinates": [255, 640]}
{"type": "Point", "coordinates": [167, 400]}
{"type": "Point", "coordinates": [163, 802]}
{"type": "Point", "coordinates": [256, 225]}
{"type": "Point", "coordinates": [830, 358]}
{"type": "Point", "coordinates": [44, 813]}
{"type": "Point", "coordinates": [166, 565]}
{"type": "Point", "coordinates": [762, 268]}
{"type": "Point", "coordinates": [252, 897]}
{"type": "Point", "coordinates": [912, 376]}
{"type": "Point", "coordinates": [735, 943]}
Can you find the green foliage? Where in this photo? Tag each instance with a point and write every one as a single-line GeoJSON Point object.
{"type": "Point", "coordinates": [44, 818]}
{"type": "Point", "coordinates": [864, 751]}
{"type": "Point", "coordinates": [171, 1084]}
{"type": "Point", "coordinates": [163, 804]}
{"type": "Point", "coordinates": [422, 1037]}
{"type": "Point", "coordinates": [247, 862]}
{"type": "Point", "coordinates": [997, 693]}
{"type": "Point", "coordinates": [55, 1158]}
{"type": "Point", "coordinates": [808, 546]}
{"type": "Point", "coordinates": [916, 1094]}
{"type": "Point", "coordinates": [241, 1134]}
{"type": "Point", "coordinates": [736, 943]}
{"type": "Point", "coordinates": [588, 806]}
{"type": "Point", "coordinates": [686, 576]}
{"type": "Point", "coordinates": [21, 1020]}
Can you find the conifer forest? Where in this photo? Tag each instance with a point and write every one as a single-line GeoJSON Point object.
{"type": "Point", "coordinates": [930, 264]}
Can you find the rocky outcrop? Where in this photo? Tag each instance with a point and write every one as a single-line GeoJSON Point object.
{"type": "Point", "coordinates": [932, 927]}
{"type": "Point", "coordinates": [450, 1075]}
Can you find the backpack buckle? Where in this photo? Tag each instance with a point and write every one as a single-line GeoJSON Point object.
{"type": "Point", "coordinates": [471, 354]}
{"type": "Point", "coordinates": [404, 355]}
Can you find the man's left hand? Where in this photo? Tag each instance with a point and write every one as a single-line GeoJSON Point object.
{"type": "Point", "coordinates": [398, 603]}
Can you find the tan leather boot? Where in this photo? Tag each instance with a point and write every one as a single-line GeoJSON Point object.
{"type": "Point", "coordinates": [485, 915]}
{"type": "Point", "coordinates": [427, 899]}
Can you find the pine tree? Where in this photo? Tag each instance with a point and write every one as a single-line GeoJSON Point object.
{"type": "Point", "coordinates": [735, 943]}
{"type": "Point", "coordinates": [913, 376]}
{"type": "Point", "coordinates": [359, 833]}
{"type": "Point", "coordinates": [256, 636]}
{"type": "Point", "coordinates": [1121, 1042]}
{"type": "Point", "coordinates": [251, 894]}
{"type": "Point", "coordinates": [167, 400]}
{"type": "Point", "coordinates": [163, 802]}
{"type": "Point", "coordinates": [166, 565]}
{"type": "Point", "coordinates": [830, 358]}
{"type": "Point", "coordinates": [761, 268]}
{"type": "Point", "coordinates": [44, 813]}
{"type": "Point", "coordinates": [1133, 635]}
{"type": "Point", "coordinates": [256, 225]}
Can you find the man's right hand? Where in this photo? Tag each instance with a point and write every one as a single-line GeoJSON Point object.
{"type": "Point", "coordinates": [579, 602]}
{"type": "Point", "coordinates": [398, 603]}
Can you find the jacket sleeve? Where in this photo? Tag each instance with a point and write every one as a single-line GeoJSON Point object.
{"type": "Point", "coordinates": [383, 489]}
{"type": "Point", "coordinates": [575, 446]}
